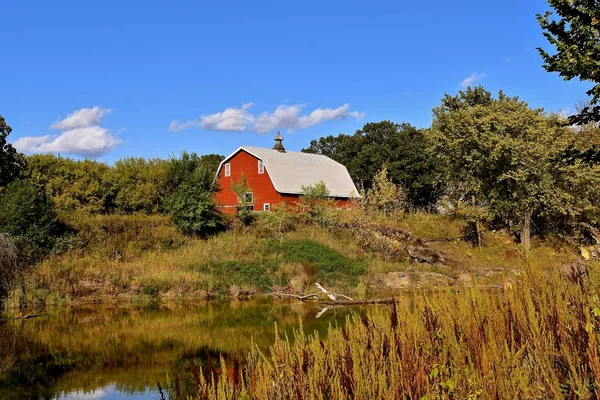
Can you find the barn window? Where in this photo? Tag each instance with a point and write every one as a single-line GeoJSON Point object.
{"type": "Point", "coordinates": [227, 169]}
{"type": "Point", "coordinates": [266, 207]}
{"type": "Point", "coordinates": [261, 167]}
{"type": "Point", "coordinates": [248, 198]}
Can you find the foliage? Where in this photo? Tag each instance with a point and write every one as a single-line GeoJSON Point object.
{"type": "Point", "coordinates": [576, 36]}
{"type": "Point", "coordinates": [11, 162]}
{"type": "Point", "coordinates": [26, 213]}
{"type": "Point", "coordinates": [192, 207]}
{"type": "Point", "coordinates": [384, 196]}
{"type": "Point", "coordinates": [139, 184]}
{"type": "Point", "coordinates": [276, 222]}
{"type": "Point", "coordinates": [402, 147]}
{"type": "Point", "coordinates": [85, 185]}
{"type": "Point", "coordinates": [132, 185]}
{"type": "Point", "coordinates": [245, 198]}
{"type": "Point", "coordinates": [183, 166]}
{"type": "Point", "coordinates": [503, 155]}
{"type": "Point", "coordinates": [9, 256]}
{"type": "Point", "coordinates": [316, 203]}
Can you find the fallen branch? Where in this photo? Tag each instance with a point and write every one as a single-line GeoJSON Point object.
{"type": "Point", "coordinates": [360, 302]}
{"type": "Point", "coordinates": [296, 296]}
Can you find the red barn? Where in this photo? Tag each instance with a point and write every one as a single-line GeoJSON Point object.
{"type": "Point", "coordinates": [275, 176]}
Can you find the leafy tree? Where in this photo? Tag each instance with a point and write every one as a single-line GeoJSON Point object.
{"type": "Point", "coordinates": [180, 168]}
{"type": "Point", "coordinates": [504, 155]}
{"type": "Point", "coordinates": [12, 163]}
{"type": "Point", "coordinates": [73, 185]}
{"type": "Point", "coordinates": [318, 191]}
{"type": "Point", "coordinates": [384, 196]}
{"type": "Point", "coordinates": [402, 147]}
{"type": "Point", "coordinates": [576, 36]}
{"type": "Point", "coordinates": [140, 185]}
{"type": "Point", "coordinates": [245, 199]}
{"type": "Point", "coordinates": [27, 215]}
{"type": "Point", "coordinates": [190, 202]}
{"type": "Point", "coordinates": [315, 199]}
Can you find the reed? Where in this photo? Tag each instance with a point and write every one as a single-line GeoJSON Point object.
{"type": "Point", "coordinates": [536, 339]}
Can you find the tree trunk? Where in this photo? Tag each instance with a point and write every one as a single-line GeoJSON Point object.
{"type": "Point", "coordinates": [477, 234]}
{"type": "Point", "coordinates": [476, 227]}
{"type": "Point", "coordinates": [526, 232]}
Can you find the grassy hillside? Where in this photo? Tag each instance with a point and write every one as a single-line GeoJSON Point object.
{"type": "Point", "coordinates": [143, 258]}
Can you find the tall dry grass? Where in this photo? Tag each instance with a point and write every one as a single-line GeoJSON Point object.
{"type": "Point", "coordinates": [538, 339]}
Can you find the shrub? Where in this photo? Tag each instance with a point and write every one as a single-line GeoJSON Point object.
{"type": "Point", "coordinates": [8, 260]}
{"type": "Point", "coordinates": [317, 204]}
{"type": "Point", "coordinates": [276, 222]}
{"type": "Point", "coordinates": [26, 213]}
{"type": "Point", "coordinates": [384, 196]}
{"type": "Point", "coordinates": [191, 205]}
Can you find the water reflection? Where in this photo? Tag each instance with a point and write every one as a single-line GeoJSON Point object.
{"type": "Point", "coordinates": [122, 352]}
{"type": "Point", "coordinates": [107, 393]}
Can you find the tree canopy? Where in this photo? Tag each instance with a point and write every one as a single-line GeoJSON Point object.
{"type": "Point", "coordinates": [575, 34]}
{"type": "Point", "coordinates": [12, 163]}
{"type": "Point", "coordinates": [401, 147]}
{"type": "Point", "coordinates": [509, 159]}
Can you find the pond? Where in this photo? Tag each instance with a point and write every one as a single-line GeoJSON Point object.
{"type": "Point", "coordinates": [122, 352]}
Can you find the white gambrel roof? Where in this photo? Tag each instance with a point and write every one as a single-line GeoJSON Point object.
{"type": "Point", "coordinates": [291, 170]}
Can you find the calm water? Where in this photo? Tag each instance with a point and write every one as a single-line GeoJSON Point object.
{"type": "Point", "coordinates": [121, 353]}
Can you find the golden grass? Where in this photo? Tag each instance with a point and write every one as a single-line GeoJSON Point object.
{"type": "Point", "coordinates": [123, 256]}
{"type": "Point", "coordinates": [539, 339]}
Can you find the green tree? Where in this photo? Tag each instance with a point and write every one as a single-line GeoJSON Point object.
{"type": "Point", "coordinates": [190, 201]}
{"type": "Point", "coordinates": [140, 185]}
{"type": "Point", "coordinates": [12, 163]}
{"type": "Point", "coordinates": [384, 196]}
{"type": "Point", "coordinates": [316, 200]}
{"type": "Point", "coordinates": [402, 147]}
{"type": "Point", "coordinates": [27, 215]}
{"type": "Point", "coordinates": [180, 168]}
{"type": "Point", "coordinates": [575, 34]}
{"type": "Point", "coordinates": [504, 155]}
{"type": "Point", "coordinates": [245, 198]}
{"type": "Point", "coordinates": [73, 185]}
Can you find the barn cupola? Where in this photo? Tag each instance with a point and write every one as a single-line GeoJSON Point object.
{"type": "Point", "coordinates": [278, 145]}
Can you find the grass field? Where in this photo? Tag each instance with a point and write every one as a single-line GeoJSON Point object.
{"type": "Point", "coordinates": [136, 258]}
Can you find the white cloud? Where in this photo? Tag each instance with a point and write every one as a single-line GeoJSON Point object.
{"type": "Point", "coordinates": [232, 119]}
{"type": "Point", "coordinates": [471, 79]}
{"type": "Point", "coordinates": [81, 119]}
{"type": "Point", "coordinates": [283, 117]}
{"type": "Point", "coordinates": [82, 136]}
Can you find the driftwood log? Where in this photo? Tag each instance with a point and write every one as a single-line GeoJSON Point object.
{"type": "Point", "coordinates": [333, 299]}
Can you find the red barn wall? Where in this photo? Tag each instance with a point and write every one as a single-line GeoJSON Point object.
{"type": "Point", "coordinates": [262, 187]}
{"type": "Point", "coordinates": [261, 184]}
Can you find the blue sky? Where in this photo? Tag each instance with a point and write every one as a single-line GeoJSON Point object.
{"type": "Point", "coordinates": [129, 78]}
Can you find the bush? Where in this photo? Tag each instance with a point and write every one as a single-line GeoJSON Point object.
{"type": "Point", "coordinates": [26, 213]}
{"type": "Point", "coordinates": [276, 222]}
{"type": "Point", "coordinates": [384, 196]}
{"type": "Point", "coordinates": [8, 260]}
{"type": "Point", "coordinates": [191, 205]}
